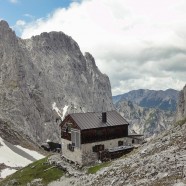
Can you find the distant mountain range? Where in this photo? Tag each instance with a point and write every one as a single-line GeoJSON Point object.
{"type": "Point", "coordinates": [163, 100]}
{"type": "Point", "coordinates": [148, 111]}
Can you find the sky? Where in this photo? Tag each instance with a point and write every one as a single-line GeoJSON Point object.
{"type": "Point", "coordinates": [137, 43]}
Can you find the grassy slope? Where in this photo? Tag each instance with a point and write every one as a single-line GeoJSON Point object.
{"type": "Point", "coordinates": [94, 169]}
{"type": "Point", "coordinates": [38, 169]}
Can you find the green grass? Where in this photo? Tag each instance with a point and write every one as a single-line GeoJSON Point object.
{"type": "Point", "coordinates": [33, 171]}
{"type": "Point", "coordinates": [94, 169]}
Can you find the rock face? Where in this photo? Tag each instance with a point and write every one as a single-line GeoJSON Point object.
{"type": "Point", "coordinates": [181, 108]}
{"type": "Point", "coordinates": [147, 121]}
{"type": "Point", "coordinates": [164, 100]}
{"type": "Point", "coordinates": [44, 78]}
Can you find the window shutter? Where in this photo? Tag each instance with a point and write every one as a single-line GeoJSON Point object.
{"type": "Point", "coordinates": [73, 137]}
{"type": "Point", "coordinates": [78, 139]}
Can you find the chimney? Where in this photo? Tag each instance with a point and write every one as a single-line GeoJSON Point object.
{"type": "Point", "coordinates": [104, 117]}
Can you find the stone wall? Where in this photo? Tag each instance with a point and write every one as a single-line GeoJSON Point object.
{"type": "Point", "coordinates": [85, 155]}
{"type": "Point", "coordinates": [75, 156]}
{"type": "Point", "coordinates": [88, 156]}
{"type": "Point", "coordinates": [107, 144]}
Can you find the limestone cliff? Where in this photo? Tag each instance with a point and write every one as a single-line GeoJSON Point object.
{"type": "Point", "coordinates": [44, 78]}
{"type": "Point", "coordinates": [181, 106]}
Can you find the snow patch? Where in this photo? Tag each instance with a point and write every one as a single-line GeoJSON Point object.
{"type": "Point", "coordinates": [6, 172]}
{"type": "Point", "coordinates": [32, 153]}
{"type": "Point", "coordinates": [54, 107]}
{"type": "Point", "coordinates": [60, 114]}
{"type": "Point", "coordinates": [10, 158]}
{"type": "Point", "coordinates": [136, 128]}
{"type": "Point", "coordinates": [13, 159]}
{"type": "Point", "coordinates": [65, 110]}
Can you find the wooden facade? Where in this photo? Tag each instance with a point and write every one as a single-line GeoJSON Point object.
{"type": "Point", "coordinates": [66, 127]}
{"type": "Point", "coordinates": [94, 134]}
{"type": "Point", "coordinates": [104, 133]}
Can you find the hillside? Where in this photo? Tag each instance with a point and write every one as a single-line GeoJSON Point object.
{"type": "Point", "coordinates": [39, 173]}
{"type": "Point", "coordinates": [44, 78]}
{"type": "Point", "coordinates": [162, 161]}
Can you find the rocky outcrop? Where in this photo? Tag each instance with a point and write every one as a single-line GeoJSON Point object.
{"type": "Point", "coordinates": [44, 78]}
{"type": "Point", "coordinates": [181, 108]}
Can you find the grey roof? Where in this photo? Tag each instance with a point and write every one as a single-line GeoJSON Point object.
{"type": "Point", "coordinates": [91, 120]}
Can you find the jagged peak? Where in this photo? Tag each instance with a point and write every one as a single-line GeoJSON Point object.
{"type": "Point", "coordinates": [5, 28]}
{"type": "Point", "coordinates": [4, 24]}
{"type": "Point", "coordinates": [50, 34]}
{"type": "Point", "coordinates": [92, 64]}
{"type": "Point", "coordinates": [6, 33]}
{"type": "Point", "coordinates": [89, 56]}
{"type": "Point", "coordinates": [55, 39]}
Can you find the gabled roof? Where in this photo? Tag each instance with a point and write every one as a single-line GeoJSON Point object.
{"type": "Point", "coordinates": [92, 120]}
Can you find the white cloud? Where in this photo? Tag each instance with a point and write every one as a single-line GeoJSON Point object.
{"type": "Point", "coordinates": [139, 44]}
{"type": "Point", "coordinates": [20, 23]}
{"type": "Point", "coordinates": [19, 26]}
{"type": "Point", "coordinates": [29, 16]}
{"type": "Point", "coordinates": [14, 1]}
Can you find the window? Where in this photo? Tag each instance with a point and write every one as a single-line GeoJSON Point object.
{"type": "Point", "coordinates": [98, 148]}
{"type": "Point", "coordinates": [120, 143]}
{"type": "Point", "coordinates": [68, 127]}
{"type": "Point", "coordinates": [70, 147]}
{"type": "Point", "coordinates": [75, 137]}
{"type": "Point", "coordinates": [132, 141]}
{"type": "Point", "coordinates": [63, 129]}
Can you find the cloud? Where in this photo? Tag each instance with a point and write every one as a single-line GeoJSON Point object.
{"type": "Point", "coordinates": [19, 26]}
{"type": "Point", "coordinates": [138, 44]}
{"type": "Point", "coordinates": [14, 1]}
{"type": "Point", "coordinates": [20, 23]}
{"type": "Point", "coordinates": [29, 16]}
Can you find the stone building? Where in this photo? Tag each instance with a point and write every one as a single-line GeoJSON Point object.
{"type": "Point", "coordinates": [88, 137]}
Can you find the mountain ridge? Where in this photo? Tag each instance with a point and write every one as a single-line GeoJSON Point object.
{"type": "Point", "coordinates": [162, 99]}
